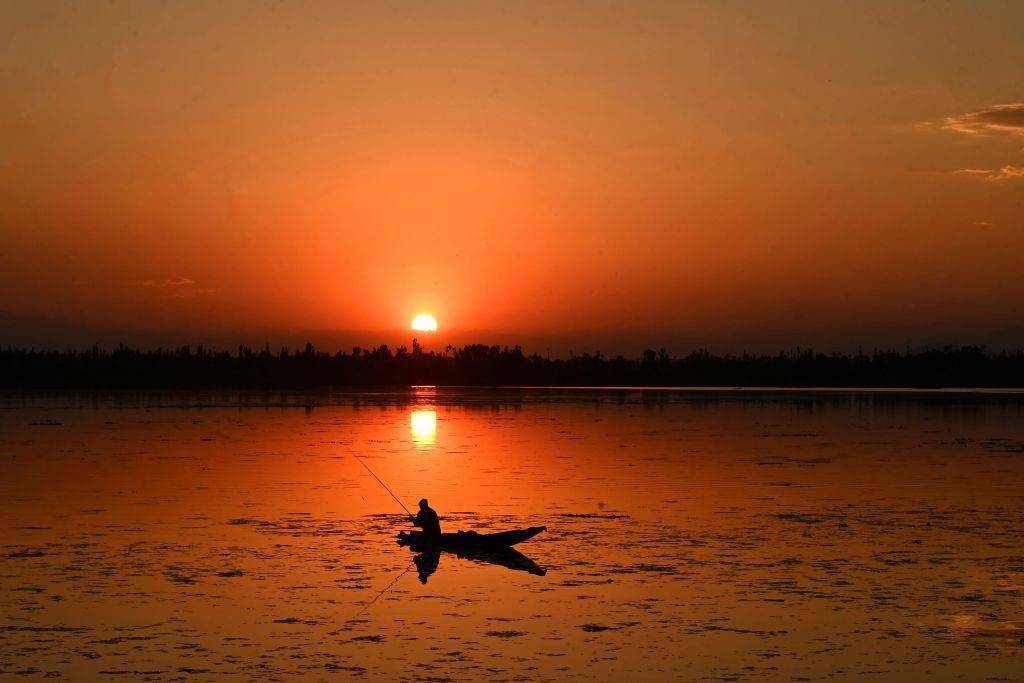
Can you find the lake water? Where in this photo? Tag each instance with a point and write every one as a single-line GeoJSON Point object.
{"type": "Point", "coordinates": [690, 536]}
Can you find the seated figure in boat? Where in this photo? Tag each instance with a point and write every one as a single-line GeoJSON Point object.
{"type": "Point", "coordinates": [428, 520]}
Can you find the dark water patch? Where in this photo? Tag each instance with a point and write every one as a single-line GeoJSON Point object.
{"type": "Point", "coordinates": [117, 640]}
{"type": "Point", "coordinates": [24, 554]}
{"type": "Point", "coordinates": [804, 518]}
{"type": "Point", "coordinates": [184, 579]}
{"type": "Point", "coordinates": [295, 620]}
{"type": "Point", "coordinates": [743, 631]}
{"type": "Point", "coordinates": [592, 515]}
{"type": "Point", "coordinates": [44, 629]}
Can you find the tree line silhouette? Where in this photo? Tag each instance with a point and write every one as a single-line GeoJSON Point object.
{"type": "Point", "coordinates": [483, 365]}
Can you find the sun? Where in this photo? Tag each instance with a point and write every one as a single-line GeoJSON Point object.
{"type": "Point", "coordinates": [424, 322]}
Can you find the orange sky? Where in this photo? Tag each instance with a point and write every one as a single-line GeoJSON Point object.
{"type": "Point", "coordinates": [742, 174]}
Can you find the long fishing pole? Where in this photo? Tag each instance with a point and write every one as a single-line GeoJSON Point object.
{"type": "Point", "coordinates": [397, 500]}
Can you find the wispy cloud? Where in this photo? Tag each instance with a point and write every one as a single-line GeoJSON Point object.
{"type": "Point", "coordinates": [1011, 172]}
{"type": "Point", "coordinates": [999, 118]}
{"type": "Point", "coordinates": [996, 174]}
{"type": "Point", "coordinates": [173, 282]}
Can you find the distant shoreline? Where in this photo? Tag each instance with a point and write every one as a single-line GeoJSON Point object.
{"type": "Point", "coordinates": [961, 369]}
{"type": "Point", "coordinates": [767, 389]}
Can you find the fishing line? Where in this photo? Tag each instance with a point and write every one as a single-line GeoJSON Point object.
{"type": "Point", "coordinates": [383, 484]}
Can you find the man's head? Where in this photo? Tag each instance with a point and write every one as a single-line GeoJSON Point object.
{"type": "Point", "coordinates": [423, 503]}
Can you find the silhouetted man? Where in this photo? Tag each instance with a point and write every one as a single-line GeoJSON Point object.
{"type": "Point", "coordinates": [428, 520]}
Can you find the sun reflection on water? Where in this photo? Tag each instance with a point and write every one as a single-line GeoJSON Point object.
{"type": "Point", "coordinates": [423, 425]}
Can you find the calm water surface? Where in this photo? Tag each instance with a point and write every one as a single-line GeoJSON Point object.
{"type": "Point", "coordinates": [691, 536]}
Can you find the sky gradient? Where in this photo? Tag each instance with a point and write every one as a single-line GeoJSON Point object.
{"type": "Point", "coordinates": [736, 175]}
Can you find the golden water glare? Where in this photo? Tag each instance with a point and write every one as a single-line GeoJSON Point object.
{"type": "Point", "coordinates": [423, 425]}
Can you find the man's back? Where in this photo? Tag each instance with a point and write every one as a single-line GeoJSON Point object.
{"type": "Point", "coordinates": [428, 520]}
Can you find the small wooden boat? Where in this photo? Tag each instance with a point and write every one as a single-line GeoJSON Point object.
{"type": "Point", "coordinates": [469, 540]}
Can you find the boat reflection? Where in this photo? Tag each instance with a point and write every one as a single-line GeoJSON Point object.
{"type": "Point", "coordinates": [427, 561]}
{"type": "Point", "coordinates": [423, 425]}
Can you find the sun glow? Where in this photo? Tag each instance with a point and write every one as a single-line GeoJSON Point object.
{"type": "Point", "coordinates": [424, 322]}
